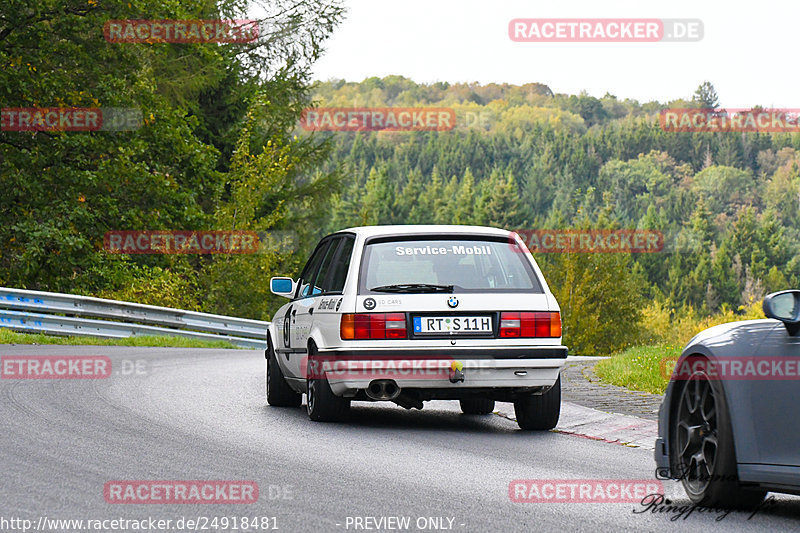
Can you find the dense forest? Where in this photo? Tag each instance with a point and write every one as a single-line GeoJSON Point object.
{"type": "Point", "coordinates": [521, 157]}
{"type": "Point", "coordinates": [214, 151]}
{"type": "Point", "coordinates": [220, 148]}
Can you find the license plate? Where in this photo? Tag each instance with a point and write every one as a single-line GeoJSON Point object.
{"type": "Point", "coordinates": [452, 324]}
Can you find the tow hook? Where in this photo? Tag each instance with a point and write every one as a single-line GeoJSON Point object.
{"type": "Point", "coordinates": [456, 372]}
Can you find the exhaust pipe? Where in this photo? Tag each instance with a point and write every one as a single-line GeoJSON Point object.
{"type": "Point", "coordinates": [383, 389]}
{"type": "Point", "coordinates": [408, 402]}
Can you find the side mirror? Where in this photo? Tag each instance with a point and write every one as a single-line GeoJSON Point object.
{"type": "Point", "coordinates": [784, 306]}
{"type": "Point", "coordinates": [282, 287]}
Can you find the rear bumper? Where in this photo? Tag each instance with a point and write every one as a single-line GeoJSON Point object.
{"type": "Point", "coordinates": [661, 452]}
{"type": "Point", "coordinates": [510, 352]}
{"type": "Point", "coordinates": [486, 368]}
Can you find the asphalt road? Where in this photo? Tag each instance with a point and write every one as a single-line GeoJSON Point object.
{"type": "Point", "coordinates": [178, 414]}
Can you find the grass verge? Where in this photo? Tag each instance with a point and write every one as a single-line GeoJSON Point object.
{"type": "Point", "coordinates": [12, 337]}
{"type": "Point", "coordinates": [640, 368]}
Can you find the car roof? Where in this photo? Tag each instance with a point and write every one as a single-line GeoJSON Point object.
{"type": "Point", "coordinates": [433, 229]}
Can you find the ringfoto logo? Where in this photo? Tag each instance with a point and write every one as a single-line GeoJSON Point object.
{"type": "Point", "coordinates": [181, 31]}
{"type": "Point", "coordinates": [378, 119]}
{"type": "Point", "coordinates": [730, 120]}
{"type": "Point", "coordinates": [56, 367]}
{"type": "Point", "coordinates": [732, 368]}
{"type": "Point", "coordinates": [674, 511]}
{"type": "Point", "coordinates": [70, 119]}
{"type": "Point", "coordinates": [181, 242]}
{"type": "Point", "coordinates": [184, 492]}
{"type": "Point", "coordinates": [582, 490]}
{"type": "Point", "coordinates": [588, 30]}
{"type": "Point", "coordinates": [592, 241]}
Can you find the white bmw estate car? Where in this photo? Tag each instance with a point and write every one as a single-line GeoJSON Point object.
{"type": "Point", "coordinates": [415, 313]}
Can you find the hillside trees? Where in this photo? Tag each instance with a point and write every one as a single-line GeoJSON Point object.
{"type": "Point", "coordinates": [726, 203]}
{"type": "Point", "coordinates": [61, 191]}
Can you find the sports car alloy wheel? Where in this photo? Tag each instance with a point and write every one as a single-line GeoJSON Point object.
{"type": "Point", "coordinates": [697, 433]}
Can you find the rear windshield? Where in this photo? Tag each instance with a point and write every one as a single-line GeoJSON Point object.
{"type": "Point", "coordinates": [468, 264]}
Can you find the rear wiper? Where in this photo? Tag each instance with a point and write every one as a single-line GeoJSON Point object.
{"type": "Point", "coordinates": [413, 287]}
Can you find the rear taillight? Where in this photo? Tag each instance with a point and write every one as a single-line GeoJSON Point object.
{"type": "Point", "coordinates": [373, 326]}
{"type": "Point", "coordinates": [526, 325]}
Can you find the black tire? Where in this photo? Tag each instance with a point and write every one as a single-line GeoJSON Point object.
{"type": "Point", "coordinates": [703, 454]}
{"type": "Point", "coordinates": [539, 411]}
{"type": "Point", "coordinates": [477, 406]}
{"type": "Point", "coordinates": [279, 393]}
{"type": "Point", "coordinates": [321, 403]}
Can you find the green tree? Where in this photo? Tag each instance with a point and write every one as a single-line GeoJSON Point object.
{"type": "Point", "coordinates": [723, 277]}
{"type": "Point", "coordinates": [61, 191]}
{"type": "Point", "coordinates": [499, 202]}
{"type": "Point", "coordinates": [464, 204]}
{"type": "Point", "coordinates": [601, 297]}
{"type": "Point", "coordinates": [266, 196]}
{"type": "Point", "coordinates": [724, 189]}
{"type": "Point", "coordinates": [377, 200]}
{"type": "Point", "coordinates": [706, 96]}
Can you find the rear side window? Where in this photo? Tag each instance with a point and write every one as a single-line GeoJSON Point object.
{"type": "Point", "coordinates": [311, 269]}
{"type": "Point", "coordinates": [469, 264]}
{"type": "Point", "coordinates": [341, 265]}
{"type": "Point", "coordinates": [324, 269]}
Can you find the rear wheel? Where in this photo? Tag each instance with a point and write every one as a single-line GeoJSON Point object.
{"type": "Point", "coordinates": [279, 393]}
{"type": "Point", "coordinates": [539, 411]}
{"type": "Point", "coordinates": [321, 403]}
{"type": "Point", "coordinates": [702, 440]}
{"type": "Point", "coordinates": [477, 406]}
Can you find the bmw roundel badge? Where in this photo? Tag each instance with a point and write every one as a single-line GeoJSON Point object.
{"type": "Point", "coordinates": [452, 302]}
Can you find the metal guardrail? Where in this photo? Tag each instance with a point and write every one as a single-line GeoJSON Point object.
{"type": "Point", "coordinates": [63, 314]}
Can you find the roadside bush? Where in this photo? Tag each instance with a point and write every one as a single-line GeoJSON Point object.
{"type": "Point", "coordinates": [676, 326]}
{"type": "Point", "coordinates": [601, 298]}
{"type": "Point", "coordinates": [667, 330]}
{"type": "Point", "coordinates": [165, 287]}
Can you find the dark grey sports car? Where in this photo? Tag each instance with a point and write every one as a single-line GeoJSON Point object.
{"type": "Point", "coordinates": [728, 425]}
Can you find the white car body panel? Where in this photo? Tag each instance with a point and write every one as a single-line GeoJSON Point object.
{"type": "Point", "coordinates": [317, 319]}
